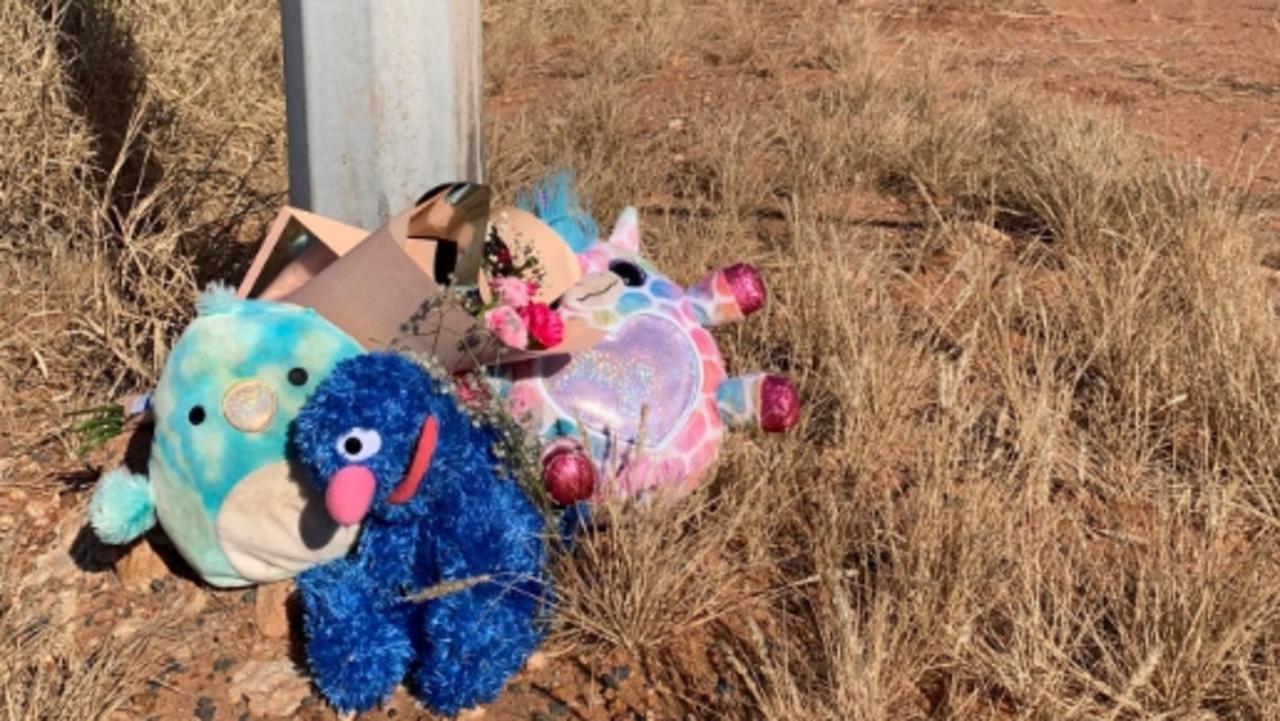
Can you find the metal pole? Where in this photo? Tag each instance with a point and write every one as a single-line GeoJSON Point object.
{"type": "Point", "coordinates": [383, 100]}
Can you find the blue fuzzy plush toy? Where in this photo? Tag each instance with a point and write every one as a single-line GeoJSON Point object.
{"type": "Point", "coordinates": [388, 446]}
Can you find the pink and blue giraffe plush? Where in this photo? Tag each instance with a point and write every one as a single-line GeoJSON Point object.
{"type": "Point", "coordinates": [647, 407]}
{"type": "Point", "coordinates": [389, 446]}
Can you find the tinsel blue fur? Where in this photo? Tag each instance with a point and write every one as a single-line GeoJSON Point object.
{"type": "Point", "coordinates": [466, 520]}
{"type": "Point", "coordinates": [555, 203]}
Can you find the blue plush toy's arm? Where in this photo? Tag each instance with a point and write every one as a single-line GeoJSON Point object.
{"type": "Point", "coordinates": [122, 509]}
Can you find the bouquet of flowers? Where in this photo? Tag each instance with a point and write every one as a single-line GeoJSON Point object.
{"type": "Point", "coordinates": [513, 314]}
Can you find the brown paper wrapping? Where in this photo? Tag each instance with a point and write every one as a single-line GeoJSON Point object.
{"type": "Point", "coordinates": [390, 289]}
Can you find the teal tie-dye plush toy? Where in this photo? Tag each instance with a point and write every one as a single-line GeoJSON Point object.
{"type": "Point", "coordinates": [218, 480]}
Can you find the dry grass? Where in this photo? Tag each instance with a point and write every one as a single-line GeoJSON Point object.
{"type": "Point", "coordinates": [1036, 476]}
{"type": "Point", "coordinates": [1035, 479]}
{"type": "Point", "coordinates": [47, 675]}
{"type": "Point", "coordinates": [129, 172]}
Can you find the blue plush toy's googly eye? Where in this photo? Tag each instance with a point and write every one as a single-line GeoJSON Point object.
{"type": "Point", "coordinates": [358, 444]}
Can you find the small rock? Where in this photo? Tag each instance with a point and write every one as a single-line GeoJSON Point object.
{"type": "Point", "coordinates": [56, 562]}
{"type": "Point", "coordinates": [195, 606]}
{"type": "Point", "coordinates": [224, 663]}
{"type": "Point", "coordinates": [157, 585]}
{"type": "Point", "coordinates": [205, 708]}
{"type": "Point", "coordinates": [140, 568]}
{"type": "Point", "coordinates": [249, 596]}
{"type": "Point", "coordinates": [536, 661]}
{"type": "Point", "coordinates": [272, 688]}
{"type": "Point", "coordinates": [66, 608]}
{"type": "Point", "coordinates": [558, 708]}
{"type": "Point", "coordinates": [183, 653]}
{"type": "Point", "coordinates": [270, 611]}
{"type": "Point", "coordinates": [126, 628]}
{"type": "Point", "coordinates": [40, 509]}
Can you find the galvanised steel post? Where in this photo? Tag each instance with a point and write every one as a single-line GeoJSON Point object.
{"type": "Point", "coordinates": [384, 102]}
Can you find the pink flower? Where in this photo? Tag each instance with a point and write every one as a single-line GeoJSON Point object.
{"type": "Point", "coordinates": [512, 291]}
{"type": "Point", "coordinates": [471, 389]}
{"type": "Point", "coordinates": [522, 400]}
{"type": "Point", "coordinates": [545, 325]}
{"type": "Point", "coordinates": [506, 324]}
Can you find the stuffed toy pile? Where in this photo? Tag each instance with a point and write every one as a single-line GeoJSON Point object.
{"type": "Point", "coordinates": [288, 439]}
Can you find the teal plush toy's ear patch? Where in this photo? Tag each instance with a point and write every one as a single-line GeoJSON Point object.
{"type": "Point", "coordinates": [122, 508]}
{"type": "Point", "coordinates": [217, 298]}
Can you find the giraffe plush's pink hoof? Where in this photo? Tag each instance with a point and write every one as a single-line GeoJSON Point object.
{"type": "Point", "coordinates": [569, 476]}
{"type": "Point", "coordinates": [747, 286]}
{"type": "Point", "coordinates": [779, 404]}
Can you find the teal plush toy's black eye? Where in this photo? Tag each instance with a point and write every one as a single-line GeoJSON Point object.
{"type": "Point", "coordinates": [196, 415]}
{"type": "Point", "coordinates": [298, 376]}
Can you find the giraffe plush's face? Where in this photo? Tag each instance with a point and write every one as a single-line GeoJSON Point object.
{"type": "Point", "coordinates": [646, 393]}
{"type": "Point", "coordinates": [224, 489]}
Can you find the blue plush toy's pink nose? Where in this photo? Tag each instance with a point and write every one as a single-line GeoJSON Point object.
{"type": "Point", "coordinates": [350, 494]}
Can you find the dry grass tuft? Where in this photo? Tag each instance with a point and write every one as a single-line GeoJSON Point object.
{"type": "Point", "coordinates": [129, 172]}
{"type": "Point", "coordinates": [608, 592]}
{"type": "Point", "coordinates": [46, 674]}
{"type": "Point", "coordinates": [1034, 479]}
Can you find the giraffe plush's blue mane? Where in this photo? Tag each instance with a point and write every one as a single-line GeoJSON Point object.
{"type": "Point", "coordinates": [555, 202]}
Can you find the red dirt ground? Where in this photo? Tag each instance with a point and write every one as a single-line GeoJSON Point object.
{"type": "Point", "coordinates": [1201, 77]}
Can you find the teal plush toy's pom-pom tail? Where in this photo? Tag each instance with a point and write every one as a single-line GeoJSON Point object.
{"type": "Point", "coordinates": [217, 298]}
{"type": "Point", "coordinates": [121, 508]}
{"type": "Point", "coordinates": [555, 203]}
